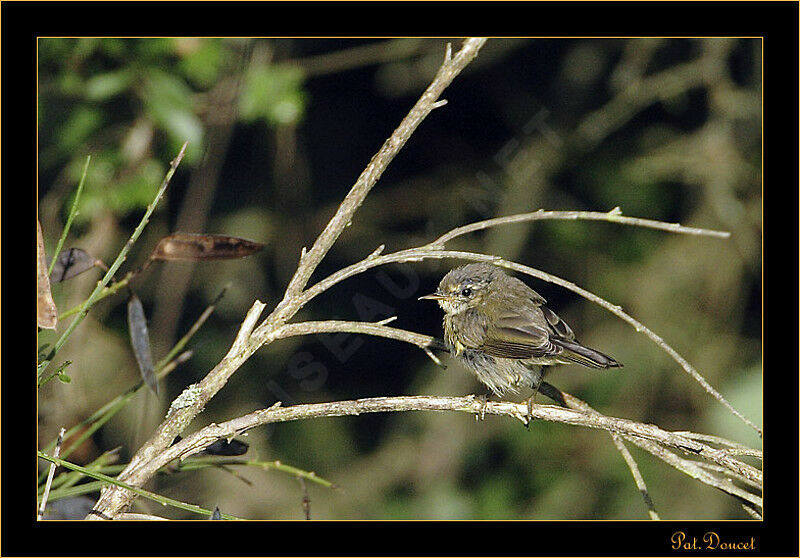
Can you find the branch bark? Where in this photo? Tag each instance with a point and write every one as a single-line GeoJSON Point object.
{"type": "Point", "coordinates": [576, 413]}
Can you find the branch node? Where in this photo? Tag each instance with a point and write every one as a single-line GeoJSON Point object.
{"type": "Point", "coordinates": [386, 321]}
{"type": "Point", "coordinates": [439, 103]}
{"type": "Point", "coordinates": [448, 53]}
{"type": "Point", "coordinates": [248, 325]}
{"type": "Point", "coordinates": [434, 358]}
{"type": "Point", "coordinates": [377, 252]}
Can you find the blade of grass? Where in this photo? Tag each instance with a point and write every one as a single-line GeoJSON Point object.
{"type": "Point", "coordinates": [72, 213]}
{"type": "Point", "coordinates": [114, 267]}
{"type": "Point", "coordinates": [197, 464]}
{"type": "Point", "coordinates": [107, 291]}
{"type": "Point", "coordinates": [163, 368]}
{"type": "Point", "coordinates": [163, 500]}
{"type": "Point", "coordinates": [67, 479]}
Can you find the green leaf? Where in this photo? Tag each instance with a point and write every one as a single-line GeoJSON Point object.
{"type": "Point", "coordinates": [153, 49]}
{"type": "Point", "coordinates": [202, 60]}
{"type": "Point", "coordinates": [105, 86]}
{"type": "Point", "coordinates": [169, 100]}
{"type": "Point", "coordinates": [273, 94]}
{"type": "Point", "coordinates": [106, 190]}
{"type": "Point", "coordinates": [136, 191]}
{"type": "Point", "coordinates": [82, 123]}
{"type": "Point", "coordinates": [54, 49]}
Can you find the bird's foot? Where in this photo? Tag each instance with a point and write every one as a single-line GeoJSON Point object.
{"type": "Point", "coordinates": [484, 399]}
{"type": "Point", "coordinates": [529, 415]}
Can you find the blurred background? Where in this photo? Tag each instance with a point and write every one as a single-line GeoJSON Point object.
{"type": "Point", "coordinates": [278, 131]}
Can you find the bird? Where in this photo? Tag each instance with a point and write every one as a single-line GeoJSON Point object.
{"type": "Point", "coordinates": [502, 330]}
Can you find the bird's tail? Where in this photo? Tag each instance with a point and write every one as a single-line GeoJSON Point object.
{"type": "Point", "coordinates": [577, 353]}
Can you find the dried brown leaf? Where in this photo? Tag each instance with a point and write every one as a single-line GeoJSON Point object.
{"type": "Point", "coordinates": [140, 341]}
{"type": "Point", "coordinates": [46, 312]}
{"type": "Point", "coordinates": [199, 247]}
{"type": "Point", "coordinates": [71, 262]}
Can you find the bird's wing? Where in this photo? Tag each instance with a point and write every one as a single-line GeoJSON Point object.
{"type": "Point", "coordinates": [518, 335]}
{"type": "Point", "coordinates": [557, 325]}
{"type": "Point", "coordinates": [533, 333]}
{"type": "Point", "coordinates": [521, 289]}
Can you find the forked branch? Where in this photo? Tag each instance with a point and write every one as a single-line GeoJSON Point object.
{"type": "Point", "coordinates": [115, 500]}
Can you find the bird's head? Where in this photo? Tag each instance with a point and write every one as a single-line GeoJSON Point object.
{"type": "Point", "coordinates": [464, 287]}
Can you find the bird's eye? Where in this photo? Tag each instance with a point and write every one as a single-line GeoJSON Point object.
{"type": "Point", "coordinates": [466, 291]}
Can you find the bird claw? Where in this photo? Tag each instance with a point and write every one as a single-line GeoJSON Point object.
{"type": "Point", "coordinates": [484, 399]}
{"type": "Point", "coordinates": [529, 415]}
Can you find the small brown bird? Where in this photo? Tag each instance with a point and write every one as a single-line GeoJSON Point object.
{"type": "Point", "coordinates": [500, 328]}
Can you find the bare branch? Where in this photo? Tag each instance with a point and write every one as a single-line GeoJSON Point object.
{"type": "Point", "coordinates": [613, 216]}
{"type": "Point", "coordinates": [377, 329]}
{"type": "Point", "coordinates": [637, 476]}
{"type": "Point", "coordinates": [451, 67]}
{"type": "Point", "coordinates": [50, 474]}
{"type": "Point", "coordinates": [648, 436]}
{"type": "Point", "coordinates": [692, 468]}
{"type": "Point", "coordinates": [431, 252]}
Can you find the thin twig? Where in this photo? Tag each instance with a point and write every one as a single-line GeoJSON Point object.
{"type": "Point", "coordinates": [573, 402]}
{"type": "Point", "coordinates": [306, 499]}
{"type": "Point", "coordinates": [734, 448]}
{"type": "Point", "coordinates": [712, 454]}
{"type": "Point", "coordinates": [451, 67]}
{"type": "Point", "coordinates": [72, 213]}
{"type": "Point", "coordinates": [337, 326]}
{"type": "Point", "coordinates": [728, 473]}
{"type": "Point", "coordinates": [613, 216]}
{"type": "Point", "coordinates": [277, 465]}
{"type": "Point", "coordinates": [105, 292]}
{"type": "Point", "coordinates": [693, 469]}
{"type": "Point", "coordinates": [50, 475]}
{"type": "Point", "coordinates": [637, 476]}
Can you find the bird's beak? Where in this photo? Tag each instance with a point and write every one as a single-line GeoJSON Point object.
{"type": "Point", "coordinates": [432, 296]}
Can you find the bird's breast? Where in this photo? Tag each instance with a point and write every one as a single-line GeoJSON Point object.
{"type": "Point", "coordinates": [465, 330]}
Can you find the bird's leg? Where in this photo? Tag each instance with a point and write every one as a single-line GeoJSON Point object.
{"type": "Point", "coordinates": [533, 396]}
{"type": "Point", "coordinates": [529, 417]}
{"type": "Point", "coordinates": [484, 399]}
